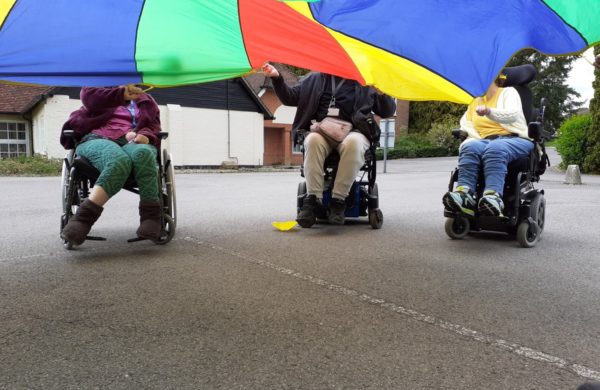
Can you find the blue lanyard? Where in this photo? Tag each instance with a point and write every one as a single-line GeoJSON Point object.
{"type": "Point", "coordinates": [131, 109]}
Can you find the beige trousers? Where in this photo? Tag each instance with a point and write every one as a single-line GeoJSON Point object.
{"type": "Point", "coordinates": [352, 157]}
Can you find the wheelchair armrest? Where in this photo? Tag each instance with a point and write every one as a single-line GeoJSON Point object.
{"type": "Point", "coordinates": [536, 132]}
{"type": "Point", "coordinates": [459, 134]}
{"type": "Point", "coordinates": [163, 135]}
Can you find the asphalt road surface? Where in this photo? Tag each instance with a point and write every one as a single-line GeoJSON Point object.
{"type": "Point", "coordinates": [232, 303]}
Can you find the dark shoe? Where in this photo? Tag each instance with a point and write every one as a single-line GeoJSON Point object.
{"type": "Point", "coordinates": [81, 223]}
{"type": "Point", "coordinates": [337, 209]}
{"type": "Point", "coordinates": [150, 226]}
{"type": "Point", "coordinates": [306, 217]}
{"type": "Point", "coordinates": [459, 201]}
{"type": "Point", "coordinates": [491, 204]}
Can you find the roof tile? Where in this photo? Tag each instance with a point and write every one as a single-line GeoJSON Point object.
{"type": "Point", "coordinates": [16, 99]}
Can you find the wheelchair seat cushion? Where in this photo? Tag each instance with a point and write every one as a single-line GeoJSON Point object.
{"type": "Point", "coordinates": [85, 168]}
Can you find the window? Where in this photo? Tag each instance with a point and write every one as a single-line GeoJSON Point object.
{"type": "Point", "coordinates": [13, 139]}
{"type": "Point", "coordinates": [295, 148]}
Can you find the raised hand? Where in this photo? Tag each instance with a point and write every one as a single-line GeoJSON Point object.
{"type": "Point", "coordinates": [132, 92]}
{"type": "Point", "coordinates": [270, 70]}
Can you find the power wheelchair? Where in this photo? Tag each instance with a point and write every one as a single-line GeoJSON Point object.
{"type": "Point", "coordinates": [79, 176]}
{"type": "Point", "coordinates": [363, 199]}
{"type": "Point", "coordinates": [525, 206]}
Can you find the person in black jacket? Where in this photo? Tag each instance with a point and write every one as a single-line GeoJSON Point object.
{"type": "Point", "coordinates": [318, 96]}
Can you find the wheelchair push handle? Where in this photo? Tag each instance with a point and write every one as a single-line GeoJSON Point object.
{"type": "Point", "coordinates": [299, 136]}
{"type": "Point", "coordinates": [69, 133]}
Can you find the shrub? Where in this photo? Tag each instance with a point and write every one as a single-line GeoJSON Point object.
{"type": "Point", "coordinates": [592, 159]}
{"type": "Point", "coordinates": [440, 135]}
{"type": "Point", "coordinates": [30, 166]}
{"type": "Point", "coordinates": [572, 140]}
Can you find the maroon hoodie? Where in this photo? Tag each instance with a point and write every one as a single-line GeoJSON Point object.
{"type": "Point", "coordinates": [99, 104]}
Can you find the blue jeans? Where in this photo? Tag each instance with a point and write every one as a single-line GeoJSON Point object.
{"type": "Point", "coordinates": [495, 156]}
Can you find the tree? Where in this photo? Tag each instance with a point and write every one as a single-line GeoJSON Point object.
{"type": "Point", "coordinates": [298, 71]}
{"type": "Point", "coordinates": [551, 84]}
{"type": "Point", "coordinates": [592, 159]}
{"type": "Point", "coordinates": [424, 115]}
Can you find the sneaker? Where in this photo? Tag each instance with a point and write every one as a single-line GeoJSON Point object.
{"type": "Point", "coordinates": [460, 201]}
{"type": "Point", "coordinates": [337, 208]}
{"type": "Point", "coordinates": [491, 204]}
{"type": "Point", "coordinates": [306, 216]}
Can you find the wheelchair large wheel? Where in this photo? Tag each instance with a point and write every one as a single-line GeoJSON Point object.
{"type": "Point", "coordinates": [457, 228]}
{"type": "Point", "coordinates": [375, 215]}
{"type": "Point", "coordinates": [300, 195]}
{"type": "Point", "coordinates": [529, 233]}
{"type": "Point", "coordinates": [169, 199]}
{"type": "Point", "coordinates": [70, 201]}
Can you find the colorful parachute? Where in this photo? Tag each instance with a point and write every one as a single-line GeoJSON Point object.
{"type": "Point", "coordinates": [412, 49]}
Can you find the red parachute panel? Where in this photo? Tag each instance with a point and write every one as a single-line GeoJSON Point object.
{"type": "Point", "coordinates": [271, 30]}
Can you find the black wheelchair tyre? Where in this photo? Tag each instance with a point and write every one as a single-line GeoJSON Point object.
{"type": "Point", "coordinates": [528, 234]}
{"type": "Point", "coordinates": [69, 194]}
{"type": "Point", "coordinates": [169, 187]}
{"type": "Point", "coordinates": [457, 228]}
{"type": "Point", "coordinates": [375, 215]}
{"type": "Point", "coordinates": [300, 195]}
{"type": "Point", "coordinates": [168, 230]}
{"type": "Point", "coordinates": [376, 218]}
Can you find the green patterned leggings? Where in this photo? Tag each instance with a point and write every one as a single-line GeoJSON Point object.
{"type": "Point", "coordinates": [115, 164]}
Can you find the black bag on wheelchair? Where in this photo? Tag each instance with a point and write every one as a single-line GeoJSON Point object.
{"type": "Point", "coordinates": [367, 125]}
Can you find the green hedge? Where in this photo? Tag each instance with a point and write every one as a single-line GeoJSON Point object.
{"type": "Point", "coordinates": [572, 140]}
{"type": "Point", "coordinates": [30, 166]}
{"type": "Point", "coordinates": [412, 146]}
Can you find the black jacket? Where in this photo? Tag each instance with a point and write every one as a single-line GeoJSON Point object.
{"type": "Point", "coordinates": [307, 94]}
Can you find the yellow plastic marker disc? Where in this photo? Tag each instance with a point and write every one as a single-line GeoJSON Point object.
{"type": "Point", "coordinates": [284, 226]}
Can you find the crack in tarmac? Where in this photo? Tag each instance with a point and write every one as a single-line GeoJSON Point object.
{"type": "Point", "coordinates": [505, 345]}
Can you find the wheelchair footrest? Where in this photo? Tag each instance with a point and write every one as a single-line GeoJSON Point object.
{"type": "Point", "coordinates": [94, 238]}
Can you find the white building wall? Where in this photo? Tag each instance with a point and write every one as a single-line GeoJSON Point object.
{"type": "Point", "coordinates": [48, 119]}
{"type": "Point", "coordinates": [247, 137]}
{"type": "Point", "coordinates": [284, 114]}
{"type": "Point", "coordinates": [197, 136]}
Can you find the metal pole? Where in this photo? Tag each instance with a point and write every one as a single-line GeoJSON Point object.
{"type": "Point", "coordinates": [385, 144]}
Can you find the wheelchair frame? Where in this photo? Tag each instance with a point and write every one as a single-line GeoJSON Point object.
{"type": "Point", "coordinates": [79, 176]}
{"type": "Point", "coordinates": [363, 199]}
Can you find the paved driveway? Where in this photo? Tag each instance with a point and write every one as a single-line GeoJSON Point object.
{"type": "Point", "coordinates": [231, 303]}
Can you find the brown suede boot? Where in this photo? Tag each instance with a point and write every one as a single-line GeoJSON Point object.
{"type": "Point", "coordinates": [81, 223]}
{"type": "Point", "coordinates": [150, 226]}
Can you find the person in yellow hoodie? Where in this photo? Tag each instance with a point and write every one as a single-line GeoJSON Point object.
{"type": "Point", "coordinates": [496, 135]}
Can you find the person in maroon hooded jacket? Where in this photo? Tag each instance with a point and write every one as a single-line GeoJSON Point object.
{"type": "Point", "coordinates": [118, 131]}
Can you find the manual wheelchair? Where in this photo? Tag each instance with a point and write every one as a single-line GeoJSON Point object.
{"type": "Point", "coordinates": [79, 176]}
{"type": "Point", "coordinates": [363, 199]}
{"type": "Point", "coordinates": [525, 206]}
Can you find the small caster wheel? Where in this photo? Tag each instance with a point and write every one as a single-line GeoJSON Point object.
{"type": "Point", "coordinates": [457, 228]}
